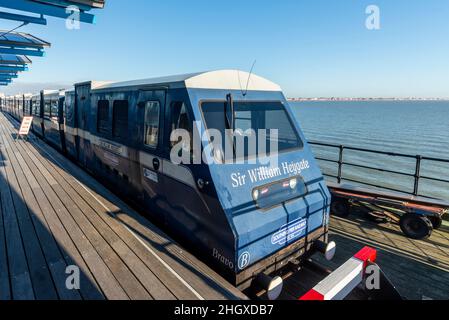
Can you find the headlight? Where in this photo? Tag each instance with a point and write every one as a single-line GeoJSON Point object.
{"type": "Point", "coordinates": [256, 194]}
{"type": "Point", "coordinates": [293, 183]}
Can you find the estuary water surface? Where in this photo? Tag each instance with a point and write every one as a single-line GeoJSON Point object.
{"type": "Point", "coordinates": [410, 127]}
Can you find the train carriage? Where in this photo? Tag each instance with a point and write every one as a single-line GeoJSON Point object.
{"type": "Point", "coordinates": [19, 107]}
{"type": "Point", "coordinates": [246, 216]}
{"type": "Point", "coordinates": [53, 118]}
{"type": "Point", "coordinates": [27, 111]}
{"type": "Point", "coordinates": [37, 113]}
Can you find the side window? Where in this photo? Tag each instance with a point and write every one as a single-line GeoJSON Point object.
{"type": "Point", "coordinates": [151, 130]}
{"type": "Point", "coordinates": [120, 119]}
{"type": "Point", "coordinates": [47, 109]}
{"type": "Point", "coordinates": [180, 120]}
{"type": "Point", "coordinates": [102, 116]}
{"type": "Point", "coordinates": [54, 109]}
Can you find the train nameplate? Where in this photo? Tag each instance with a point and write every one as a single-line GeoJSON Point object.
{"type": "Point", "coordinates": [150, 175]}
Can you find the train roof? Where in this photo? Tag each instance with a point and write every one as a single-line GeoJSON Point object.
{"type": "Point", "coordinates": [221, 79]}
{"type": "Point", "coordinates": [60, 92]}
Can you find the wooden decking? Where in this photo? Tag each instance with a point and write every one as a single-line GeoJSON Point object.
{"type": "Point", "coordinates": [53, 215]}
{"type": "Point", "coordinates": [418, 268]}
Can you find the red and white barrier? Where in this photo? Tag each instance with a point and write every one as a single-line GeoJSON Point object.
{"type": "Point", "coordinates": [339, 284]}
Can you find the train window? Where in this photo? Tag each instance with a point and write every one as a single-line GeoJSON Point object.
{"type": "Point", "coordinates": [103, 116]}
{"type": "Point", "coordinates": [47, 109]}
{"type": "Point", "coordinates": [54, 109]}
{"type": "Point", "coordinates": [261, 117]}
{"type": "Point", "coordinates": [37, 106]}
{"type": "Point", "coordinates": [120, 119]}
{"type": "Point", "coordinates": [180, 120]}
{"type": "Point", "coordinates": [152, 114]}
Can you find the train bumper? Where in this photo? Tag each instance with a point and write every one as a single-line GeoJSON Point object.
{"type": "Point", "coordinates": [300, 250]}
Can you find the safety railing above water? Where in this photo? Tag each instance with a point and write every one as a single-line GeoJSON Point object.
{"type": "Point", "coordinates": [416, 175]}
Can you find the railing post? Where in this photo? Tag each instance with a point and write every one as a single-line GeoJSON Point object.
{"type": "Point", "coordinates": [340, 164]}
{"type": "Point", "coordinates": [417, 175]}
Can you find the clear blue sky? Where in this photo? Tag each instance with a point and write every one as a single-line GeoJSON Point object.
{"type": "Point", "coordinates": [310, 47]}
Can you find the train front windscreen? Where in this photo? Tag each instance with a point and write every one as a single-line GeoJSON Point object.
{"type": "Point", "coordinates": [265, 123]}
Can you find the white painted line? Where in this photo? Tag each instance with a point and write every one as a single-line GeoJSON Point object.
{"type": "Point", "coordinates": [185, 283]}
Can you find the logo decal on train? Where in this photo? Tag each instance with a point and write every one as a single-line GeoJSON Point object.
{"type": "Point", "coordinates": [289, 232]}
{"type": "Point", "coordinates": [225, 261]}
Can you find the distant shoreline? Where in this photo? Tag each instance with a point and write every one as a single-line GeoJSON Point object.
{"type": "Point", "coordinates": [365, 99]}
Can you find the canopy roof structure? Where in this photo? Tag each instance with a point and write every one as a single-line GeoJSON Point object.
{"type": "Point", "coordinates": [15, 47]}
{"type": "Point", "coordinates": [51, 8]}
{"type": "Point", "coordinates": [22, 44]}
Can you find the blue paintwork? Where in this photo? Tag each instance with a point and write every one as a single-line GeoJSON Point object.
{"type": "Point", "coordinates": [23, 52]}
{"type": "Point", "coordinates": [8, 76]}
{"type": "Point", "coordinates": [46, 9]}
{"type": "Point", "coordinates": [23, 18]}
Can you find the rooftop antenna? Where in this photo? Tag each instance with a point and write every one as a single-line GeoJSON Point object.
{"type": "Point", "coordinates": [244, 93]}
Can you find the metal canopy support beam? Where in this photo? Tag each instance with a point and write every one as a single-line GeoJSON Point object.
{"type": "Point", "coordinates": [45, 9]}
{"type": "Point", "coordinates": [33, 53]}
{"type": "Point", "coordinates": [14, 60]}
{"type": "Point", "coordinates": [12, 65]}
{"type": "Point", "coordinates": [13, 69]}
{"type": "Point", "coordinates": [8, 76]}
{"type": "Point", "coordinates": [23, 18]}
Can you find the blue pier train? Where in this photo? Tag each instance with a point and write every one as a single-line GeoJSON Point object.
{"type": "Point", "coordinates": [247, 218]}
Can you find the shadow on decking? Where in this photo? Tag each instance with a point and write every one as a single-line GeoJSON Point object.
{"type": "Point", "coordinates": [32, 261]}
{"type": "Point", "coordinates": [72, 169]}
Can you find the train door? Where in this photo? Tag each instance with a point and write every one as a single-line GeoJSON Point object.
{"type": "Point", "coordinates": [190, 215]}
{"type": "Point", "coordinates": [82, 107]}
{"type": "Point", "coordinates": [150, 121]}
{"type": "Point", "coordinates": [61, 108]}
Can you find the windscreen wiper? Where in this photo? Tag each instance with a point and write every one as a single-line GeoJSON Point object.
{"type": "Point", "coordinates": [230, 104]}
{"type": "Point", "coordinates": [230, 122]}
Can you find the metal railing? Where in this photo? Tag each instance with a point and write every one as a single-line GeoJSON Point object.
{"type": "Point", "coordinates": [416, 175]}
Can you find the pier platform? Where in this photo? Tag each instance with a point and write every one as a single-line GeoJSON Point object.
{"type": "Point", "coordinates": [54, 216]}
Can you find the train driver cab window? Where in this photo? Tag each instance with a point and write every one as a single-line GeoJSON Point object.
{"type": "Point", "coordinates": [180, 120]}
{"type": "Point", "coordinates": [152, 113]}
{"type": "Point", "coordinates": [120, 119]}
{"type": "Point", "coordinates": [102, 116]}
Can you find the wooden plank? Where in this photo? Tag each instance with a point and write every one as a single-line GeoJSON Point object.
{"type": "Point", "coordinates": [411, 277]}
{"type": "Point", "coordinates": [53, 256]}
{"type": "Point", "coordinates": [44, 288]}
{"type": "Point", "coordinates": [116, 235]}
{"type": "Point", "coordinates": [127, 280]}
{"type": "Point", "coordinates": [414, 249]}
{"type": "Point", "coordinates": [96, 265]}
{"type": "Point", "coordinates": [5, 290]}
{"type": "Point", "coordinates": [202, 275]}
{"type": "Point", "coordinates": [89, 288]}
{"type": "Point", "coordinates": [121, 272]}
{"type": "Point", "coordinates": [405, 267]}
{"type": "Point", "coordinates": [426, 250]}
{"type": "Point", "coordinates": [21, 285]}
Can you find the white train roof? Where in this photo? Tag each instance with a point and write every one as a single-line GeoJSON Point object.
{"type": "Point", "coordinates": [222, 79]}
